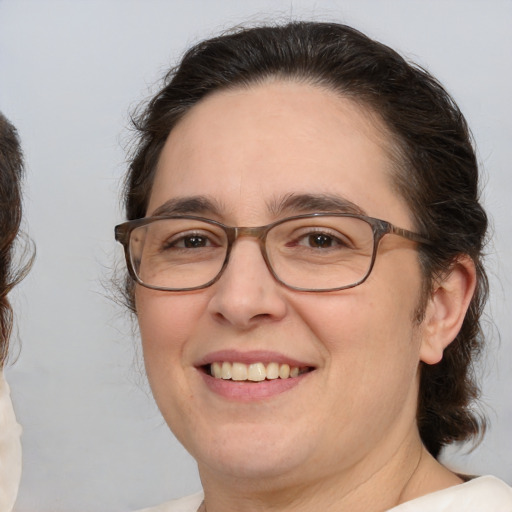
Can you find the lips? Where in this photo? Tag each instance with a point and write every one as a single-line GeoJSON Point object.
{"type": "Point", "coordinates": [256, 367]}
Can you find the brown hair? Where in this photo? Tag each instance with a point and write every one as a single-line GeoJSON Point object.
{"type": "Point", "coordinates": [435, 166]}
{"type": "Point", "coordinates": [11, 171]}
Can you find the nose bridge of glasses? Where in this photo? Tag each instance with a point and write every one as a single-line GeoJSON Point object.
{"type": "Point", "coordinates": [258, 232]}
{"type": "Point", "coordinates": [251, 232]}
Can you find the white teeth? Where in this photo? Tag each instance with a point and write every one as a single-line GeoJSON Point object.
{"type": "Point", "coordinates": [255, 372]}
{"type": "Point", "coordinates": [272, 371]}
{"type": "Point", "coordinates": [217, 370]}
{"type": "Point", "coordinates": [284, 371]}
{"type": "Point", "coordinates": [239, 371]}
{"type": "Point", "coordinates": [226, 370]}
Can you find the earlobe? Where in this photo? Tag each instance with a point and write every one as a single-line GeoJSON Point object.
{"type": "Point", "coordinates": [447, 308]}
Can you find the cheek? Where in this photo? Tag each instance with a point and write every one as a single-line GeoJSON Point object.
{"type": "Point", "coordinates": [164, 318]}
{"type": "Point", "coordinates": [368, 334]}
{"type": "Point", "coordinates": [355, 322]}
{"type": "Point", "coordinates": [166, 322]}
{"type": "Point", "coordinates": [372, 353]}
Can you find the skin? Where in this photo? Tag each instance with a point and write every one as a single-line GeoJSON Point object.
{"type": "Point", "coordinates": [345, 437]}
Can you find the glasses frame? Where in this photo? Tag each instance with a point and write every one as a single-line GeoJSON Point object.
{"type": "Point", "coordinates": [380, 228]}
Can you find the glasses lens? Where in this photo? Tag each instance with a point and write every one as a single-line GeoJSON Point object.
{"type": "Point", "coordinates": [321, 253]}
{"type": "Point", "coordinates": [177, 253]}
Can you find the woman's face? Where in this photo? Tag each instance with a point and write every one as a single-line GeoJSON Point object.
{"type": "Point", "coordinates": [246, 152]}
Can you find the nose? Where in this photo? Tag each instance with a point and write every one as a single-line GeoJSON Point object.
{"type": "Point", "coordinates": [247, 294]}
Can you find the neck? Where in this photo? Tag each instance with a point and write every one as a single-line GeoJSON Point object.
{"type": "Point", "coordinates": [409, 473]}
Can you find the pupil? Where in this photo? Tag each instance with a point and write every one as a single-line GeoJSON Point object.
{"type": "Point", "coordinates": [194, 241]}
{"type": "Point", "coordinates": [320, 240]}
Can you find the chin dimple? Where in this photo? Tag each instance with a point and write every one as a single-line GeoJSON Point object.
{"type": "Point", "coordinates": [255, 372]}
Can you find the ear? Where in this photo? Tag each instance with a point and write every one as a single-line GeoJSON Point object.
{"type": "Point", "coordinates": [447, 308]}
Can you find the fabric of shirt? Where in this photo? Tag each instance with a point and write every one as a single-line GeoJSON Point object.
{"type": "Point", "coordinates": [483, 494]}
{"type": "Point", "coordinates": [10, 450]}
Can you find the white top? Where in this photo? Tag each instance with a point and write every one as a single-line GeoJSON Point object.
{"type": "Point", "coordinates": [483, 494]}
{"type": "Point", "coordinates": [10, 450]}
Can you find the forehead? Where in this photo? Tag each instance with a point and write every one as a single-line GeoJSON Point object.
{"type": "Point", "coordinates": [248, 149]}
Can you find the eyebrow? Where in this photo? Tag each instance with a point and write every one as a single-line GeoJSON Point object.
{"type": "Point", "coordinates": [291, 204]}
{"type": "Point", "coordinates": [309, 203]}
{"type": "Point", "coordinates": [192, 205]}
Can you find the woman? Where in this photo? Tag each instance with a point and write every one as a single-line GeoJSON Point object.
{"type": "Point", "coordinates": [11, 168]}
{"type": "Point", "coordinates": [304, 244]}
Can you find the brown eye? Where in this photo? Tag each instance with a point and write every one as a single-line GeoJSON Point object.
{"type": "Point", "coordinates": [189, 241]}
{"type": "Point", "coordinates": [193, 242]}
{"type": "Point", "coordinates": [320, 240]}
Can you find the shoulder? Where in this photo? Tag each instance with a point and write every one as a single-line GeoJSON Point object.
{"type": "Point", "coordinates": [10, 449]}
{"type": "Point", "coordinates": [483, 494]}
{"type": "Point", "coordinates": [187, 504]}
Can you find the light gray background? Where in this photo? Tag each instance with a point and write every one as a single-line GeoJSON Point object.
{"type": "Point", "coordinates": [70, 71]}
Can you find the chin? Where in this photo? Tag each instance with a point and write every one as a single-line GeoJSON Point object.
{"type": "Point", "coordinates": [250, 452]}
{"type": "Point", "coordinates": [252, 467]}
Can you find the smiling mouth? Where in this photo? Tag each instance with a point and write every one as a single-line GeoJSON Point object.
{"type": "Point", "coordinates": [255, 372]}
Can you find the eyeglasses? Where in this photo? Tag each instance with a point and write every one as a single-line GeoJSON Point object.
{"type": "Point", "coordinates": [317, 252]}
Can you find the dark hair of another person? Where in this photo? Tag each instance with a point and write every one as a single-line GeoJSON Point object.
{"type": "Point", "coordinates": [435, 168]}
{"type": "Point", "coordinates": [11, 171]}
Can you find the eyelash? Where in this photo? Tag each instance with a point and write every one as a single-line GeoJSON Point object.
{"type": "Point", "coordinates": [181, 237]}
{"type": "Point", "coordinates": [335, 236]}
